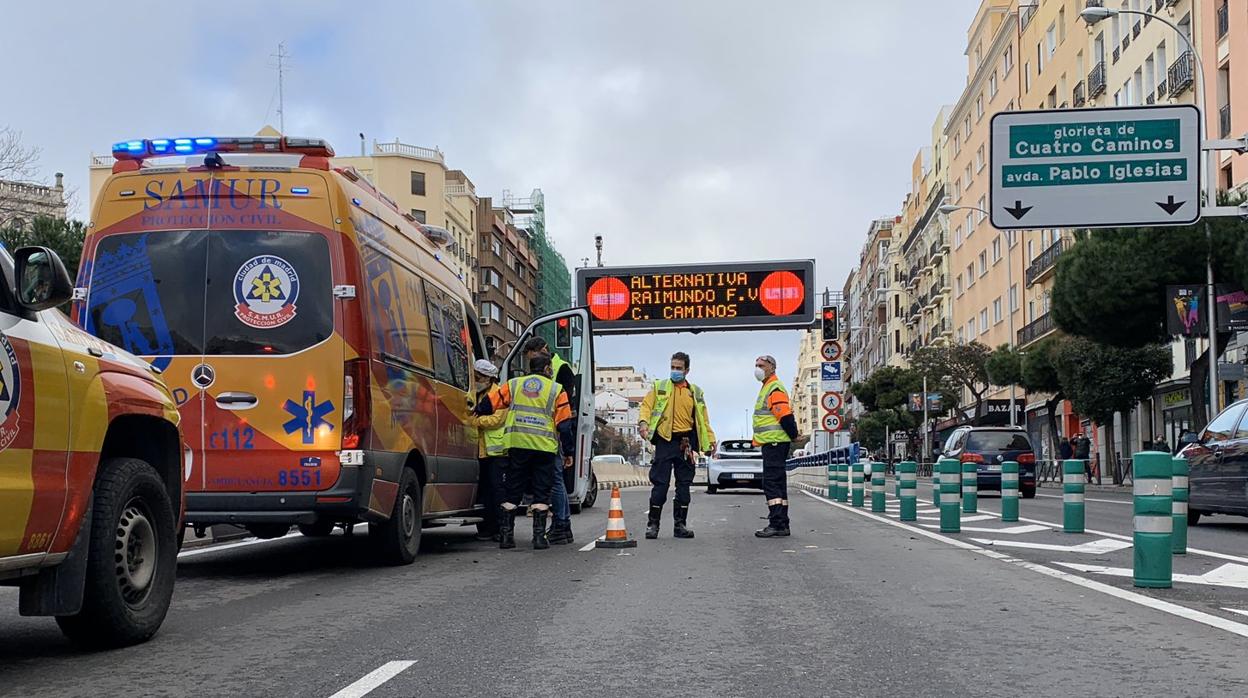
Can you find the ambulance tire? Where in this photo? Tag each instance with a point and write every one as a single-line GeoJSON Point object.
{"type": "Point", "coordinates": [125, 600]}
{"type": "Point", "coordinates": [398, 540]}
{"type": "Point", "coordinates": [318, 529]}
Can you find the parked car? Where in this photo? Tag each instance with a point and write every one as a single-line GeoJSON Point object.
{"type": "Point", "coordinates": [736, 463]}
{"type": "Point", "coordinates": [988, 448]}
{"type": "Point", "coordinates": [91, 478]}
{"type": "Point", "coordinates": [1218, 464]}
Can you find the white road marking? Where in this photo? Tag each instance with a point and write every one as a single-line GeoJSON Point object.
{"type": "Point", "coordinates": [590, 546]}
{"type": "Point", "coordinates": [1011, 531]}
{"type": "Point", "coordinates": [1240, 611]}
{"type": "Point", "coordinates": [965, 519]}
{"type": "Point", "coordinates": [1094, 547]}
{"type": "Point", "coordinates": [1106, 501]}
{"type": "Point", "coordinates": [1173, 609]}
{"type": "Point", "coordinates": [374, 679]}
{"type": "Point", "coordinates": [1228, 575]}
{"type": "Point", "coordinates": [230, 546]}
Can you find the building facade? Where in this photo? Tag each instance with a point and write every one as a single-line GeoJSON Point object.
{"type": "Point", "coordinates": [507, 278]}
{"type": "Point", "coordinates": [554, 281]}
{"type": "Point", "coordinates": [22, 202]}
{"type": "Point", "coordinates": [806, 384]}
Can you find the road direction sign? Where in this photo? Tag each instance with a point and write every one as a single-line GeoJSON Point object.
{"type": "Point", "coordinates": [831, 350]}
{"type": "Point", "coordinates": [1115, 167]}
{"type": "Point", "coordinates": [832, 401]}
{"type": "Point", "coordinates": [831, 422]}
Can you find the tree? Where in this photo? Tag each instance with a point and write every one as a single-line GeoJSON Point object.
{"type": "Point", "coordinates": [1103, 380]}
{"type": "Point", "coordinates": [1004, 366]}
{"type": "Point", "coordinates": [953, 367]}
{"type": "Point", "coordinates": [1034, 372]}
{"type": "Point", "coordinates": [17, 162]}
{"type": "Point", "coordinates": [873, 427]}
{"type": "Point", "coordinates": [887, 387]}
{"type": "Point", "coordinates": [1110, 286]}
{"type": "Point", "coordinates": [63, 236]}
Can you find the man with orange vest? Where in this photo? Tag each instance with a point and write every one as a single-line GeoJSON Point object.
{"type": "Point", "coordinates": [775, 430]}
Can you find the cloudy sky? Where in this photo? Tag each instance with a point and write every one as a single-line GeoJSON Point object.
{"type": "Point", "coordinates": [680, 131]}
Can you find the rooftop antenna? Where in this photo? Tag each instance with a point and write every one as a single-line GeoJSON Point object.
{"type": "Point", "coordinates": [281, 57]}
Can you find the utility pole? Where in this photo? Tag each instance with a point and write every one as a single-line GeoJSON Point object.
{"type": "Point", "coordinates": [281, 57]}
{"type": "Point", "coordinates": [927, 433]}
{"type": "Point", "coordinates": [598, 245]}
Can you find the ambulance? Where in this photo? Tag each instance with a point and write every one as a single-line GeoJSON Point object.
{"type": "Point", "coordinates": [319, 350]}
{"type": "Point", "coordinates": [91, 465]}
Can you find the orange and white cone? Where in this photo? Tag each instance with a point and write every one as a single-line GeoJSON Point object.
{"type": "Point", "coordinates": [617, 534]}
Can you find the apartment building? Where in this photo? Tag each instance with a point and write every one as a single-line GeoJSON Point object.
{"type": "Point", "coordinates": [507, 277]}
{"type": "Point", "coordinates": [806, 389]}
{"type": "Point", "coordinates": [1223, 43]}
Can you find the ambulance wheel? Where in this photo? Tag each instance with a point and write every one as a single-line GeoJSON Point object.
{"type": "Point", "coordinates": [132, 557]}
{"type": "Point", "coordinates": [591, 494]}
{"type": "Point", "coordinates": [398, 540]}
{"type": "Point", "coordinates": [318, 529]}
{"type": "Point", "coordinates": [712, 489]}
{"type": "Point", "coordinates": [181, 537]}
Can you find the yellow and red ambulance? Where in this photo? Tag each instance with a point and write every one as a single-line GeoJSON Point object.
{"type": "Point", "coordinates": [91, 465]}
{"type": "Point", "coordinates": [319, 349]}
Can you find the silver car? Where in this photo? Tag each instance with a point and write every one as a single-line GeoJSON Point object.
{"type": "Point", "coordinates": [736, 463]}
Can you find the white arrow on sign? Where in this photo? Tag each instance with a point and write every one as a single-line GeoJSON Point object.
{"type": "Point", "coordinates": [1228, 575]}
{"type": "Point", "coordinates": [1095, 547]}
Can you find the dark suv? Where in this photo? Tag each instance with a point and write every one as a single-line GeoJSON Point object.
{"type": "Point", "coordinates": [988, 448]}
{"type": "Point", "coordinates": [1219, 465]}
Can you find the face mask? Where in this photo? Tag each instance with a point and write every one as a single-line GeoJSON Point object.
{"type": "Point", "coordinates": [678, 376]}
{"type": "Point", "coordinates": [759, 374]}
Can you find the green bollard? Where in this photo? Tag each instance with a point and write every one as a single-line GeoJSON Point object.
{"type": "Point", "coordinates": [897, 481]}
{"type": "Point", "coordinates": [909, 490]}
{"type": "Point", "coordinates": [950, 480]}
{"type": "Point", "coordinates": [877, 488]}
{"type": "Point", "coordinates": [1154, 520]}
{"type": "Point", "coordinates": [970, 488]}
{"type": "Point", "coordinates": [1072, 496]}
{"type": "Point", "coordinates": [1178, 482]}
{"type": "Point", "coordinates": [855, 484]}
{"type": "Point", "coordinates": [842, 492]}
{"type": "Point", "coordinates": [831, 479]}
{"type": "Point", "coordinates": [936, 484]}
{"type": "Point", "coordinates": [1009, 492]}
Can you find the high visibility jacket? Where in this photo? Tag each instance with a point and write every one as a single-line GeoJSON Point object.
{"type": "Point", "coordinates": [767, 429]}
{"type": "Point", "coordinates": [531, 416]}
{"type": "Point", "coordinates": [491, 437]}
{"type": "Point", "coordinates": [556, 363]}
{"type": "Point", "coordinates": [660, 421]}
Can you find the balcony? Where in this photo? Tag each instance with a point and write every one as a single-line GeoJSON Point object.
{"type": "Point", "coordinates": [1224, 120]}
{"type": "Point", "coordinates": [1135, 31]}
{"type": "Point", "coordinates": [938, 247]}
{"type": "Point", "coordinates": [1078, 98]}
{"type": "Point", "coordinates": [1224, 20]}
{"type": "Point", "coordinates": [411, 151]}
{"type": "Point", "coordinates": [1161, 90]}
{"type": "Point", "coordinates": [1037, 329]}
{"type": "Point", "coordinates": [1096, 81]}
{"type": "Point", "coordinates": [1181, 74]}
{"type": "Point", "coordinates": [1038, 270]}
{"type": "Point", "coordinates": [1117, 54]}
{"type": "Point", "coordinates": [1126, 43]}
{"type": "Point", "coordinates": [915, 308]}
{"type": "Point", "coordinates": [1150, 99]}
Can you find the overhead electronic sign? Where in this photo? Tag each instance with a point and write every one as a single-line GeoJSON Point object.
{"type": "Point", "coordinates": [695, 297]}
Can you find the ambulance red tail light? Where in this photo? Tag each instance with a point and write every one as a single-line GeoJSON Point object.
{"type": "Point", "coordinates": [356, 415]}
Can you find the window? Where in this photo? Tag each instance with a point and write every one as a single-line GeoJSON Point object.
{"type": "Point", "coordinates": [979, 107]}
{"type": "Point", "coordinates": [983, 321]}
{"type": "Point", "coordinates": [1137, 86]}
{"type": "Point", "coordinates": [992, 85]}
{"type": "Point", "coordinates": [979, 55]}
{"type": "Point", "coordinates": [966, 126]}
{"type": "Point", "coordinates": [448, 331]}
{"type": "Point", "coordinates": [970, 227]}
{"type": "Point", "coordinates": [1039, 59]}
{"type": "Point", "coordinates": [497, 246]}
{"type": "Point", "coordinates": [957, 190]}
{"type": "Point", "coordinates": [983, 206]}
{"type": "Point", "coordinates": [489, 277]}
{"type": "Point", "coordinates": [1222, 426]}
{"type": "Point", "coordinates": [1050, 38]}
{"type": "Point", "coordinates": [996, 249]}
{"type": "Point", "coordinates": [979, 159]}
{"type": "Point", "coordinates": [418, 184]}
{"type": "Point", "coordinates": [1027, 76]}
{"type": "Point", "coordinates": [1007, 61]}
{"type": "Point", "coordinates": [1061, 26]}
{"type": "Point", "coordinates": [983, 263]}
{"type": "Point", "coordinates": [491, 311]}
{"type": "Point", "coordinates": [419, 215]}
{"type": "Point", "coordinates": [1014, 298]}
{"type": "Point", "coordinates": [957, 237]}
{"type": "Point", "coordinates": [970, 328]}
{"type": "Point", "coordinates": [511, 292]}
{"type": "Point", "coordinates": [967, 177]}
{"type": "Point", "coordinates": [970, 275]}
{"type": "Point", "coordinates": [961, 336]}
{"type": "Point", "coordinates": [957, 144]}
{"type": "Point", "coordinates": [958, 284]}
{"type": "Point", "coordinates": [996, 310]}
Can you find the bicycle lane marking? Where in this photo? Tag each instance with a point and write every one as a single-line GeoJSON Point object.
{"type": "Point", "coordinates": [1167, 607]}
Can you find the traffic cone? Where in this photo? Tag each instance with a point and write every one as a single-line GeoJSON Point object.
{"type": "Point", "coordinates": [617, 535]}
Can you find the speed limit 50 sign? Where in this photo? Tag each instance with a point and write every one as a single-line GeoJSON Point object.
{"type": "Point", "coordinates": [831, 422]}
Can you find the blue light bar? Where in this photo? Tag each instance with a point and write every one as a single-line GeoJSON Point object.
{"type": "Point", "coordinates": [130, 147]}
{"type": "Point", "coordinates": [160, 145]}
{"type": "Point", "coordinates": [298, 190]}
{"type": "Point", "coordinates": [355, 201]}
{"type": "Point", "coordinates": [209, 142]}
{"type": "Point", "coordinates": [183, 145]}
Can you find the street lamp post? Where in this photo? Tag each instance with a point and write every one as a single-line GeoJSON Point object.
{"type": "Point", "coordinates": [1093, 15]}
{"type": "Point", "coordinates": [946, 209]}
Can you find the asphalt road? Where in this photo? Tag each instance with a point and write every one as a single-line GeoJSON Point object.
{"type": "Point", "coordinates": [853, 604]}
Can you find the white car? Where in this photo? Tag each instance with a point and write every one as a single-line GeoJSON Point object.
{"type": "Point", "coordinates": [735, 463]}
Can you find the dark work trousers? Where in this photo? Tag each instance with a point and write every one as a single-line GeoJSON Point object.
{"type": "Point", "coordinates": [529, 471]}
{"type": "Point", "coordinates": [775, 479]}
{"type": "Point", "coordinates": [490, 492]}
{"type": "Point", "coordinates": [668, 458]}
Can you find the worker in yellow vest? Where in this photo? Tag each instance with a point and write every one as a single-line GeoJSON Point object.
{"type": "Point", "coordinates": [491, 449]}
{"type": "Point", "coordinates": [775, 430]}
{"type": "Point", "coordinates": [673, 417]}
{"type": "Point", "coordinates": [537, 429]}
{"type": "Point", "coordinates": [560, 532]}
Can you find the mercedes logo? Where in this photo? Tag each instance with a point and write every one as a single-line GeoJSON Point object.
{"type": "Point", "coordinates": [203, 376]}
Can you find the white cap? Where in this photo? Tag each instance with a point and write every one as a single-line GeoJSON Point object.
{"type": "Point", "coordinates": [485, 368]}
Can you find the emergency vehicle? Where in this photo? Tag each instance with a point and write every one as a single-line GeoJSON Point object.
{"type": "Point", "coordinates": [91, 465]}
{"type": "Point", "coordinates": [319, 349]}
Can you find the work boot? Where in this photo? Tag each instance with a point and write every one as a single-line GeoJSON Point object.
{"type": "Point", "coordinates": [680, 515]}
{"type": "Point", "coordinates": [507, 529]}
{"type": "Point", "coordinates": [652, 522]}
{"type": "Point", "coordinates": [540, 542]}
{"type": "Point", "coordinates": [777, 523]}
{"type": "Point", "coordinates": [560, 532]}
